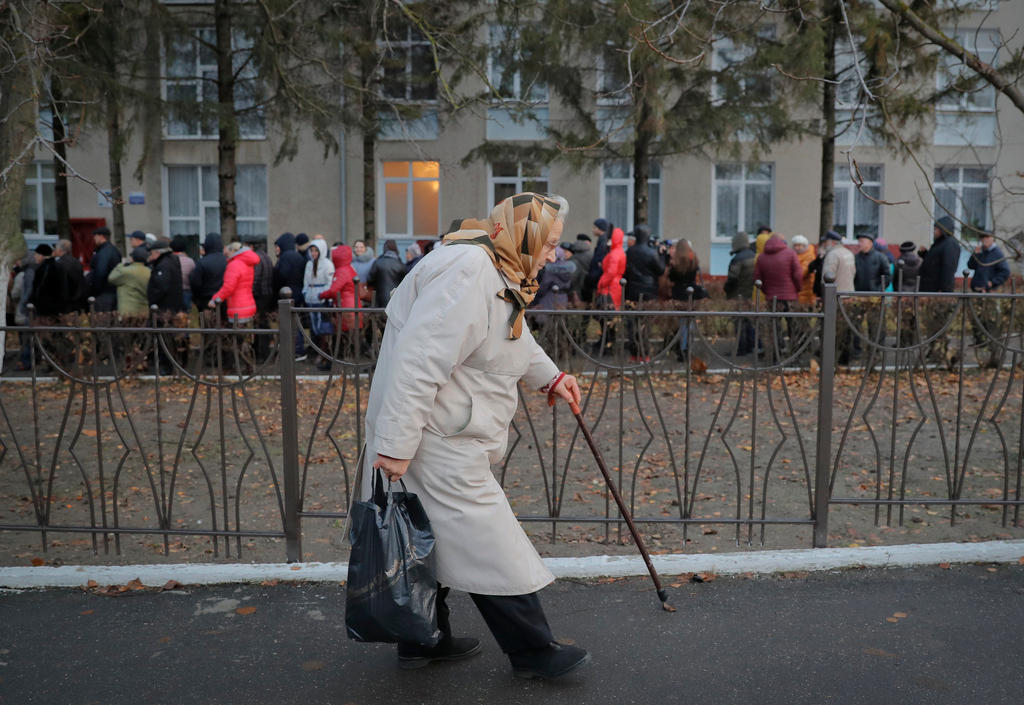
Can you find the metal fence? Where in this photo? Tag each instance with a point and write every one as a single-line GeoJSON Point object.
{"type": "Point", "coordinates": [171, 432]}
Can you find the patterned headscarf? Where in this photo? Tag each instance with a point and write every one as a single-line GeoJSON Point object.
{"type": "Point", "coordinates": [515, 235]}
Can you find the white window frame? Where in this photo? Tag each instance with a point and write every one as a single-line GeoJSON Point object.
{"type": "Point", "coordinates": [618, 96]}
{"type": "Point", "coordinates": [852, 192]}
{"type": "Point", "coordinates": [409, 180]}
{"type": "Point", "coordinates": [407, 43]}
{"type": "Point", "coordinates": [969, 39]}
{"type": "Point", "coordinates": [38, 182]}
{"type": "Point", "coordinates": [743, 181]}
{"type": "Point", "coordinates": [517, 181]}
{"type": "Point", "coordinates": [766, 31]}
{"type": "Point", "coordinates": [629, 183]}
{"type": "Point", "coordinates": [199, 81]}
{"type": "Point", "coordinates": [517, 78]}
{"type": "Point", "coordinates": [204, 204]}
{"type": "Point", "coordinates": [958, 188]}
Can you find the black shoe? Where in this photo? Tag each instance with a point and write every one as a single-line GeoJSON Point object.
{"type": "Point", "coordinates": [415, 656]}
{"type": "Point", "coordinates": [553, 661]}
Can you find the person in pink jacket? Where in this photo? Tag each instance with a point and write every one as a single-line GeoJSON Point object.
{"type": "Point", "coordinates": [780, 272]}
{"type": "Point", "coordinates": [613, 266]}
{"type": "Point", "coordinates": [237, 287]}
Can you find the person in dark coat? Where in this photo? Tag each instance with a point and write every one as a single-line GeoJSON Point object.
{"type": "Point", "coordinates": [386, 273]}
{"type": "Point", "coordinates": [908, 267]}
{"type": "Point", "coordinates": [643, 267]}
{"type": "Point", "coordinates": [872, 267]}
{"type": "Point", "coordinates": [47, 286]}
{"type": "Point", "coordinates": [739, 284]}
{"type": "Point", "coordinates": [165, 290]}
{"type": "Point", "coordinates": [554, 288]}
{"type": "Point", "coordinates": [104, 258]}
{"type": "Point", "coordinates": [582, 257]}
{"type": "Point", "coordinates": [602, 231]}
{"type": "Point", "coordinates": [72, 277]}
{"type": "Point", "coordinates": [208, 276]}
{"type": "Point", "coordinates": [991, 269]}
{"type": "Point", "coordinates": [288, 272]}
{"type": "Point", "coordinates": [938, 267]}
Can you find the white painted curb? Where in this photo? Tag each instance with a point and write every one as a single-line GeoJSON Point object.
{"type": "Point", "coordinates": [762, 562]}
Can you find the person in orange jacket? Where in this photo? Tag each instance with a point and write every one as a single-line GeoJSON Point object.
{"type": "Point", "coordinates": [805, 253]}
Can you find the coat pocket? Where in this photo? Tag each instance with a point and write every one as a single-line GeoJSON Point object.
{"type": "Point", "coordinates": [450, 419]}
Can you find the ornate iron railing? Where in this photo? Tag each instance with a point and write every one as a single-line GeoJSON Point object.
{"type": "Point", "coordinates": [171, 432]}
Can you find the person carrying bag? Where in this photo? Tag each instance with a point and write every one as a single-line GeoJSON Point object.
{"type": "Point", "coordinates": [391, 592]}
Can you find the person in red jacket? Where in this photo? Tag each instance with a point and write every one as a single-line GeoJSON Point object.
{"type": "Point", "coordinates": [237, 287]}
{"type": "Point", "coordinates": [781, 275]}
{"type": "Point", "coordinates": [613, 267]}
{"type": "Point", "coordinates": [342, 291]}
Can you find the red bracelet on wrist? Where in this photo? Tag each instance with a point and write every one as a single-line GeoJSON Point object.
{"type": "Point", "coordinates": [550, 386]}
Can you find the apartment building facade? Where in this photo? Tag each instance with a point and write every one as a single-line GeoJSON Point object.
{"type": "Point", "coordinates": [970, 167]}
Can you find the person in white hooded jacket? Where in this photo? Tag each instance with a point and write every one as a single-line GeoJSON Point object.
{"type": "Point", "coordinates": [319, 272]}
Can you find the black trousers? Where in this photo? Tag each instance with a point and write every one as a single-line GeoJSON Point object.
{"type": "Point", "coordinates": [516, 621]}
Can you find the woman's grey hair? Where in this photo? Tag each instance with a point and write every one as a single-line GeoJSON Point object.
{"type": "Point", "coordinates": [563, 205]}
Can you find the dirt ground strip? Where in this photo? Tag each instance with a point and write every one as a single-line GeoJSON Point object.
{"type": "Point", "coordinates": [717, 447]}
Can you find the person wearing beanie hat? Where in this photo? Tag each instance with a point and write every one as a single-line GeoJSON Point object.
{"type": "Point", "coordinates": [188, 265]}
{"type": "Point", "coordinates": [908, 267]}
{"type": "Point", "coordinates": [938, 266]}
{"type": "Point", "coordinates": [132, 282]}
{"type": "Point", "coordinates": [302, 245]}
{"type": "Point", "coordinates": [386, 273]}
{"type": "Point", "coordinates": [739, 284]}
{"type": "Point", "coordinates": [602, 230]}
{"type": "Point", "coordinates": [208, 276]}
{"type": "Point", "coordinates": [43, 250]}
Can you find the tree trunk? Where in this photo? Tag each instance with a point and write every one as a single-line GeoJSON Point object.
{"type": "Point", "coordinates": [19, 107]}
{"type": "Point", "coordinates": [115, 146]}
{"type": "Point", "coordinates": [833, 19]}
{"type": "Point", "coordinates": [642, 139]}
{"type": "Point", "coordinates": [227, 122]}
{"type": "Point", "coordinates": [60, 179]}
{"type": "Point", "coordinates": [368, 108]}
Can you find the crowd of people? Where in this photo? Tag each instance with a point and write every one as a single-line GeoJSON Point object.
{"type": "Point", "coordinates": [243, 282]}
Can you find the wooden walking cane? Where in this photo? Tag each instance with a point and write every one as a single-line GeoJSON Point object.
{"type": "Point", "coordinates": [662, 595]}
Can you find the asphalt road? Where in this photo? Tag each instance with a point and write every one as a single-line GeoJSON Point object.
{"type": "Point", "coordinates": [905, 636]}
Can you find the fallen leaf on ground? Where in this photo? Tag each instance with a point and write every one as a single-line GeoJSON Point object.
{"type": "Point", "coordinates": [171, 585]}
{"type": "Point", "coordinates": [245, 610]}
{"type": "Point", "coordinates": [901, 615]}
{"type": "Point", "coordinates": [135, 584]}
{"type": "Point", "coordinates": [38, 561]}
{"type": "Point", "coordinates": [944, 566]}
{"type": "Point", "coordinates": [891, 619]}
{"type": "Point", "coordinates": [311, 665]}
{"type": "Point", "coordinates": [86, 612]}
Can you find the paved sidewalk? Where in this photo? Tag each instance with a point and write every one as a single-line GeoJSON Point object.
{"type": "Point", "coordinates": [955, 636]}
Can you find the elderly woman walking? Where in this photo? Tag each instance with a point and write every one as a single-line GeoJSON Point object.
{"type": "Point", "coordinates": [442, 398]}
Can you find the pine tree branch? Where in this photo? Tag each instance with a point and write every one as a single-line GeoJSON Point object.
{"type": "Point", "coordinates": [986, 71]}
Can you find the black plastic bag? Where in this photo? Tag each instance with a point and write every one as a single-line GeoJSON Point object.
{"type": "Point", "coordinates": [391, 593]}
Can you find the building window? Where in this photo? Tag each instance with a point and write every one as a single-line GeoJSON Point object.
{"type": "Point", "coordinates": [613, 79]}
{"type": "Point", "coordinates": [509, 178]}
{"type": "Point", "coordinates": [39, 202]}
{"type": "Point", "coordinates": [743, 199]}
{"type": "Point", "coordinates": [504, 57]}
{"type": "Point", "coordinates": [854, 214]}
{"type": "Point", "coordinates": [961, 88]}
{"type": "Point", "coordinates": [193, 203]}
{"type": "Point", "coordinates": [617, 195]}
{"type": "Point", "coordinates": [412, 197]}
{"type": "Point", "coordinates": [734, 76]}
{"type": "Point", "coordinates": [966, 110]}
{"type": "Point", "coordinates": [190, 68]}
{"type": "Point", "coordinates": [963, 193]}
{"type": "Point", "coordinates": [408, 64]}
